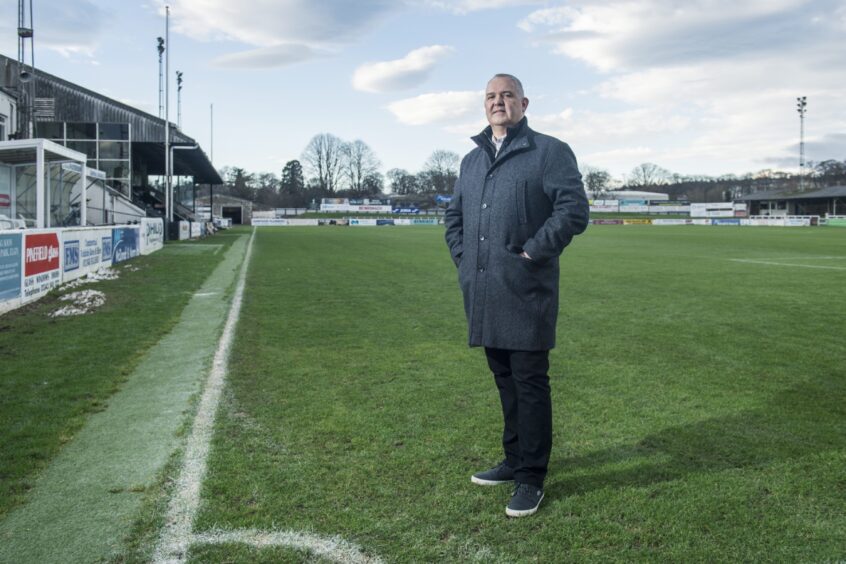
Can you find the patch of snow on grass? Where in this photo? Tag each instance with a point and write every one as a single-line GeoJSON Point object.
{"type": "Point", "coordinates": [82, 302]}
{"type": "Point", "coordinates": [96, 276]}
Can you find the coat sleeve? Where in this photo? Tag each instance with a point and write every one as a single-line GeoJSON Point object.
{"type": "Point", "coordinates": [454, 221]}
{"type": "Point", "coordinates": [562, 183]}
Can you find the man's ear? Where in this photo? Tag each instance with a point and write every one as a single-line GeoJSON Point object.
{"type": "Point", "coordinates": [525, 103]}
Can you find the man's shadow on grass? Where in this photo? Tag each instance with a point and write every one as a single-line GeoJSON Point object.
{"type": "Point", "coordinates": [802, 420]}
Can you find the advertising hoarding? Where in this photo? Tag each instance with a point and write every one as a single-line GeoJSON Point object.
{"type": "Point", "coordinates": [370, 208]}
{"type": "Point", "coordinates": [606, 221]}
{"type": "Point", "coordinates": [11, 245]}
{"type": "Point", "coordinates": [125, 243]}
{"type": "Point", "coordinates": [152, 235]}
{"type": "Point", "coordinates": [83, 251]}
{"type": "Point", "coordinates": [671, 222]}
{"type": "Point", "coordinates": [263, 221]}
{"type": "Point", "coordinates": [718, 209]}
{"type": "Point", "coordinates": [42, 264]}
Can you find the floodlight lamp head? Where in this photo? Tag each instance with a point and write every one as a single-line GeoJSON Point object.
{"type": "Point", "coordinates": [25, 76]}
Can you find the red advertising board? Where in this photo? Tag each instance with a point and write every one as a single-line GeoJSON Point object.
{"type": "Point", "coordinates": [5, 201]}
{"type": "Point", "coordinates": [41, 253]}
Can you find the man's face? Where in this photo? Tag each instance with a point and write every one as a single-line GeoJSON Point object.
{"type": "Point", "coordinates": [504, 106]}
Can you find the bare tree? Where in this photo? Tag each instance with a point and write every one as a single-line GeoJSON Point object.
{"type": "Point", "coordinates": [402, 182]}
{"type": "Point", "coordinates": [323, 157]}
{"type": "Point", "coordinates": [649, 174]}
{"type": "Point", "coordinates": [440, 171]}
{"type": "Point", "coordinates": [373, 183]}
{"type": "Point", "coordinates": [359, 164]}
{"type": "Point", "coordinates": [597, 181]}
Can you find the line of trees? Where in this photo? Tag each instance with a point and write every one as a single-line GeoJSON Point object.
{"type": "Point", "coordinates": [332, 167]}
{"type": "Point", "coordinates": [653, 178]}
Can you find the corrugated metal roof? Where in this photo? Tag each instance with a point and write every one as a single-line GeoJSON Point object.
{"type": "Point", "coordinates": [74, 103]}
{"type": "Point", "coordinates": [823, 193]}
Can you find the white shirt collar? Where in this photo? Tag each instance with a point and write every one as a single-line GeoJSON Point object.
{"type": "Point", "coordinates": [498, 141]}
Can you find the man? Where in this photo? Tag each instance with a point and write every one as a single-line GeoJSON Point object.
{"type": "Point", "coordinates": [518, 202]}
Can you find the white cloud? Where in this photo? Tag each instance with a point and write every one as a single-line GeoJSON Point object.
{"type": "Point", "coordinates": [608, 127]}
{"type": "Point", "coordinates": [399, 74]}
{"type": "Point", "coordinates": [468, 128]}
{"type": "Point", "coordinates": [437, 107]}
{"type": "Point", "coordinates": [289, 30]}
{"type": "Point", "coordinates": [708, 85]}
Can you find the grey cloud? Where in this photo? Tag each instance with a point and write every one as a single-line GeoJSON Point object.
{"type": "Point", "coordinates": [261, 23]}
{"type": "Point", "coordinates": [267, 57]}
{"type": "Point", "coordinates": [664, 42]}
{"type": "Point", "coordinates": [62, 25]}
{"type": "Point", "coordinates": [832, 146]}
{"type": "Point", "coordinates": [340, 18]}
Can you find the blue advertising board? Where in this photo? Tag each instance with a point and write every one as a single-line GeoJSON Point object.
{"type": "Point", "coordinates": [125, 244]}
{"type": "Point", "coordinates": [71, 255]}
{"type": "Point", "coordinates": [10, 266]}
{"type": "Point", "coordinates": [107, 249]}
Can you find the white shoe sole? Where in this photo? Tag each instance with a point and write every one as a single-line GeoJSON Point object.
{"type": "Point", "coordinates": [524, 512]}
{"type": "Point", "coordinates": [482, 482]}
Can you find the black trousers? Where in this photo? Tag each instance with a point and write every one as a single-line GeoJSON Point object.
{"type": "Point", "coordinates": [523, 382]}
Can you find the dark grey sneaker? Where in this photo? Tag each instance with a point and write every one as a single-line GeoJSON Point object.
{"type": "Point", "coordinates": [524, 501]}
{"type": "Point", "coordinates": [499, 474]}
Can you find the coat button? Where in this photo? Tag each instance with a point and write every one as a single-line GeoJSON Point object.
{"type": "Point", "coordinates": [481, 269]}
{"type": "Point", "coordinates": [484, 206]}
{"type": "Point", "coordinates": [482, 238]}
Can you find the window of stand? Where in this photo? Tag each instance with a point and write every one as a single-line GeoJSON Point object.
{"type": "Point", "coordinates": [107, 146]}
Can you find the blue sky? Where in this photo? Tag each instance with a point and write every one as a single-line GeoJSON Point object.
{"type": "Point", "coordinates": [697, 87]}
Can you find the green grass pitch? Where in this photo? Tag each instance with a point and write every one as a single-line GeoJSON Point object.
{"type": "Point", "coordinates": [699, 392]}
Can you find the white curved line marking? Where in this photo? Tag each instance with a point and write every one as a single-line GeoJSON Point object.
{"type": "Point", "coordinates": [333, 548]}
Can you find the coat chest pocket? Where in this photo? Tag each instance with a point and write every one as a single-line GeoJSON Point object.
{"type": "Point", "coordinates": [520, 194]}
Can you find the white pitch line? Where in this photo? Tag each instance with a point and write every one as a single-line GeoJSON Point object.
{"type": "Point", "coordinates": [178, 532]}
{"type": "Point", "coordinates": [335, 549]}
{"type": "Point", "coordinates": [810, 257]}
{"type": "Point", "coordinates": [817, 266]}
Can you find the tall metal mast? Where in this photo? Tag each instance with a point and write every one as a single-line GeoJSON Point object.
{"type": "Point", "coordinates": [26, 78]}
{"type": "Point", "coordinates": [168, 187]}
{"type": "Point", "coordinates": [179, 99]}
{"type": "Point", "coordinates": [801, 107]}
{"type": "Point", "coordinates": [161, 50]}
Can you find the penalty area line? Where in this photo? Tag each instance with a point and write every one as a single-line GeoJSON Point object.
{"type": "Point", "coordinates": [178, 535]}
{"type": "Point", "coordinates": [793, 265]}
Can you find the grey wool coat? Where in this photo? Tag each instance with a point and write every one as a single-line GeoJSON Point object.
{"type": "Point", "coordinates": [528, 198]}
